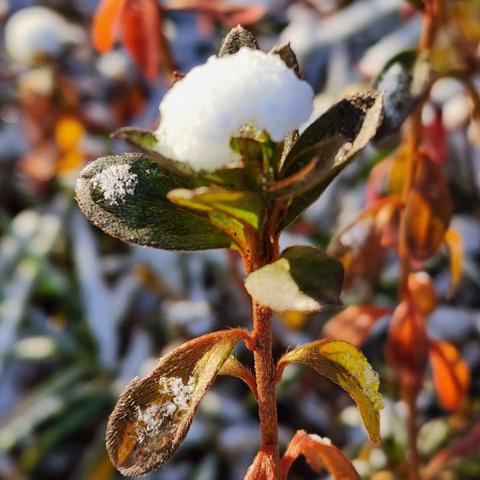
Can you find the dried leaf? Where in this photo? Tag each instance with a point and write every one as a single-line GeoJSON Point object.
{"type": "Point", "coordinates": [304, 279]}
{"type": "Point", "coordinates": [125, 195]}
{"type": "Point", "coordinates": [154, 413]}
{"type": "Point", "coordinates": [454, 243]}
{"type": "Point", "coordinates": [355, 323]}
{"type": "Point", "coordinates": [346, 366]}
{"type": "Point", "coordinates": [106, 22]}
{"type": "Point", "coordinates": [234, 368]}
{"type": "Point", "coordinates": [320, 454]}
{"type": "Point", "coordinates": [451, 374]}
{"type": "Point", "coordinates": [423, 293]}
{"type": "Point", "coordinates": [237, 38]}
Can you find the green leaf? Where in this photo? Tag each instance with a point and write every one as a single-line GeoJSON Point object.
{"type": "Point", "coordinates": [303, 279]}
{"type": "Point", "coordinates": [153, 414]}
{"type": "Point", "coordinates": [125, 195]}
{"type": "Point", "coordinates": [237, 38]}
{"type": "Point", "coordinates": [346, 366]}
{"type": "Point", "coordinates": [402, 82]}
{"type": "Point", "coordinates": [233, 212]}
{"type": "Point", "coordinates": [354, 119]}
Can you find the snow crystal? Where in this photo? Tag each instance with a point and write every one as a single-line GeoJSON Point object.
{"type": "Point", "coordinates": [152, 418]}
{"type": "Point", "coordinates": [322, 440]}
{"type": "Point", "coordinates": [35, 31]}
{"type": "Point", "coordinates": [116, 182]}
{"type": "Point", "coordinates": [204, 110]}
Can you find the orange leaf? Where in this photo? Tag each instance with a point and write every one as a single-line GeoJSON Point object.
{"type": "Point", "coordinates": [451, 374]}
{"type": "Point", "coordinates": [354, 324]}
{"type": "Point", "coordinates": [428, 211]}
{"type": "Point", "coordinates": [263, 467]}
{"type": "Point", "coordinates": [455, 247]}
{"type": "Point", "coordinates": [407, 344]}
{"type": "Point", "coordinates": [106, 23]}
{"type": "Point", "coordinates": [141, 34]}
{"type": "Point", "coordinates": [320, 454]}
{"type": "Point", "coordinates": [423, 293]}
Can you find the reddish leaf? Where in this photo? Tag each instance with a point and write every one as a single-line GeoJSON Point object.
{"type": "Point", "coordinates": [455, 247]}
{"type": "Point", "coordinates": [263, 467]}
{"type": "Point", "coordinates": [451, 374]}
{"type": "Point", "coordinates": [142, 35]}
{"type": "Point", "coordinates": [428, 211]}
{"type": "Point", "coordinates": [234, 368]}
{"type": "Point", "coordinates": [423, 293]}
{"type": "Point", "coordinates": [106, 23]}
{"type": "Point", "coordinates": [354, 324]}
{"type": "Point", "coordinates": [320, 454]}
{"type": "Point", "coordinates": [407, 344]}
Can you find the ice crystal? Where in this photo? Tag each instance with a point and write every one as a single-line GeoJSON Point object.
{"type": "Point", "coordinates": [116, 182]}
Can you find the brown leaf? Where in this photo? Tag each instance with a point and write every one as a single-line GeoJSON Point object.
{"type": "Point", "coordinates": [355, 323]}
{"type": "Point", "coordinates": [422, 292]}
{"type": "Point", "coordinates": [455, 248]}
{"type": "Point", "coordinates": [263, 467]}
{"type": "Point", "coordinates": [320, 454]}
{"type": "Point", "coordinates": [451, 374]}
{"type": "Point", "coordinates": [154, 413]}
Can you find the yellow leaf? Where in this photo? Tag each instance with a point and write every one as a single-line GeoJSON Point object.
{"type": "Point", "coordinates": [345, 365]}
{"type": "Point", "coordinates": [455, 247]}
{"type": "Point", "coordinates": [68, 132]}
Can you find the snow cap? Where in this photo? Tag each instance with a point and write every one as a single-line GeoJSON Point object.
{"type": "Point", "coordinates": [201, 112]}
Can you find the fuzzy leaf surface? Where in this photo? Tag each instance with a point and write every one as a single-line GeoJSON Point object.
{"type": "Point", "coordinates": [356, 119]}
{"type": "Point", "coordinates": [125, 196]}
{"type": "Point", "coordinates": [303, 279]}
{"type": "Point", "coordinates": [346, 366]}
{"type": "Point", "coordinates": [154, 413]}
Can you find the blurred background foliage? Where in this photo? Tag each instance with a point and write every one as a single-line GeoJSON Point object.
{"type": "Point", "coordinates": [81, 313]}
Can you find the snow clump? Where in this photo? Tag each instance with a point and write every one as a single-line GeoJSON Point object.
{"type": "Point", "coordinates": [201, 112]}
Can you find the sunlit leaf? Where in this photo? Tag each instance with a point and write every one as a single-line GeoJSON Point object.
{"type": "Point", "coordinates": [320, 455]}
{"type": "Point", "coordinates": [343, 364]}
{"type": "Point", "coordinates": [303, 279]}
{"type": "Point", "coordinates": [356, 118]}
{"type": "Point", "coordinates": [68, 132]}
{"type": "Point", "coordinates": [428, 211]}
{"type": "Point", "coordinates": [234, 368]}
{"type": "Point", "coordinates": [407, 344]}
{"type": "Point", "coordinates": [354, 323]}
{"type": "Point", "coordinates": [125, 196]}
{"type": "Point", "coordinates": [423, 293]}
{"type": "Point", "coordinates": [154, 413]}
{"type": "Point", "coordinates": [106, 23]}
{"type": "Point", "coordinates": [454, 243]}
{"type": "Point", "coordinates": [450, 374]}
{"type": "Point", "coordinates": [263, 467]}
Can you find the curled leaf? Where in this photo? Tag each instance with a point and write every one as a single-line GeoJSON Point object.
{"type": "Point", "coordinates": [356, 119]}
{"type": "Point", "coordinates": [153, 414]}
{"type": "Point", "coordinates": [234, 368]}
{"type": "Point", "coordinates": [451, 374]}
{"type": "Point", "coordinates": [125, 195]}
{"type": "Point", "coordinates": [320, 454]}
{"type": "Point", "coordinates": [288, 56]}
{"type": "Point", "coordinates": [303, 279]}
{"type": "Point", "coordinates": [346, 366]}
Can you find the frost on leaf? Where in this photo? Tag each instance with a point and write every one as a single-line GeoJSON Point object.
{"type": "Point", "coordinates": [346, 366]}
{"type": "Point", "coordinates": [115, 183]}
{"type": "Point", "coordinates": [153, 414]}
